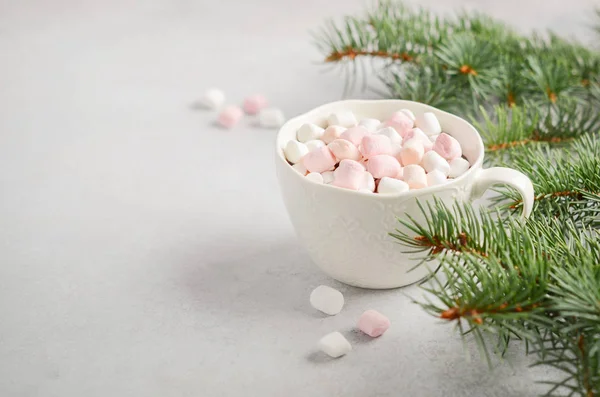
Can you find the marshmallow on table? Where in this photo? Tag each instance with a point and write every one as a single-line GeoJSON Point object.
{"type": "Point", "coordinates": [315, 177]}
{"type": "Point", "coordinates": [415, 176]}
{"type": "Point", "coordinates": [447, 147]}
{"type": "Point", "coordinates": [416, 133]}
{"type": "Point", "coordinates": [319, 160]}
{"type": "Point", "coordinates": [370, 124]}
{"type": "Point", "coordinates": [368, 182]}
{"type": "Point", "coordinates": [354, 134]}
{"type": "Point", "coordinates": [390, 185]}
{"type": "Point", "coordinates": [308, 132]}
{"type": "Point", "coordinates": [372, 145]}
{"type": "Point", "coordinates": [334, 345]}
{"type": "Point", "coordinates": [433, 161]}
{"type": "Point", "coordinates": [314, 144]}
{"type": "Point", "coordinates": [271, 118]}
{"type": "Point", "coordinates": [373, 323]}
{"type": "Point", "coordinates": [349, 175]}
{"type": "Point", "coordinates": [410, 114]}
{"type": "Point", "coordinates": [300, 168]}
{"type": "Point", "coordinates": [255, 103]}
{"type": "Point", "coordinates": [458, 166]}
{"type": "Point", "coordinates": [230, 116]}
{"type": "Point", "coordinates": [383, 165]}
{"type": "Point", "coordinates": [344, 118]}
{"type": "Point", "coordinates": [436, 177]}
{"type": "Point", "coordinates": [412, 152]}
{"type": "Point", "coordinates": [294, 151]}
{"type": "Point", "coordinates": [343, 149]}
{"type": "Point", "coordinates": [428, 123]}
{"type": "Point", "coordinates": [212, 99]}
{"type": "Point", "coordinates": [391, 133]}
{"type": "Point", "coordinates": [327, 300]}
{"type": "Point", "coordinates": [332, 133]}
{"type": "Point", "coordinates": [401, 123]}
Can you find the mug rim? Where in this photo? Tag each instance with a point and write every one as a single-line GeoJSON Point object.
{"type": "Point", "coordinates": [416, 192]}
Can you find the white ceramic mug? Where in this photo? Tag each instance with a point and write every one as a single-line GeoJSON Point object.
{"type": "Point", "coordinates": [346, 232]}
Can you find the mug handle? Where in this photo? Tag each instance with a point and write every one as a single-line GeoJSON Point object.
{"type": "Point", "coordinates": [489, 177]}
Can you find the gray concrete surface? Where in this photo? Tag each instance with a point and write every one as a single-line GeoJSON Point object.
{"type": "Point", "coordinates": [134, 262]}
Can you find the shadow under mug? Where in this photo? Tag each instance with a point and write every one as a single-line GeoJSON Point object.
{"type": "Point", "coordinates": [346, 232]}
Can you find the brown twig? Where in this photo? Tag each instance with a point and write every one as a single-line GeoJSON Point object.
{"type": "Point", "coordinates": [535, 138]}
{"type": "Point", "coordinates": [586, 370]}
{"type": "Point", "coordinates": [566, 193]}
{"type": "Point", "coordinates": [352, 53]}
{"type": "Point", "coordinates": [456, 312]}
{"type": "Point", "coordinates": [436, 245]}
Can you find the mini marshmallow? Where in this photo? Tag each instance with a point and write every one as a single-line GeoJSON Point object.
{"type": "Point", "coordinates": [433, 161]}
{"type": "Point", "coordinates": [410, 114]}
{"type": "Point", "coordinates": [343, 149]}
{"type": "Point", "coordinates": [294, 151]}
{"type": "Point", "coordinates": [396, 149]}
{"type": "Point", "coordinates": [344, 118]}
{"type": "Point", "coordinates": [300, 168]}
{"type": "Point", "coordinates": [230, 116]}
{"type": "Point", "coordinates": [308, 132]}
{"type": "Point", "coordinates": [428, 123]}
{"type": "Point", "coordinates": [372, 145]}
{"type": "Point", "coordinates": [255, 103]}
{"type": "Point", "coordinates": [391, 185]}
{"type": "Point", "coordinates": [314, 144]}
{"type": "Point", "coordinates": [432, 138]}
{"type": "Point", "coordinates": [436, 177]}
{"type": "Point", "coordinates": [416, 133]}
{"type": "Point", "coordinates": [315, 177]}
{"type": "Point", "coordinates": [354, 134]}
{"type": "Point", "coordinates": [447, 147]}
{"type": "Point", "coordinates": [334, 345]}
{"type": "Point", "coordinates": [373, 323]}
{"type": "Point", "coordinates": [458, 166]}
{"type": "Point", "coordinates": [412, 152]}
{"type": "Point", "coordinates": [332, 133]}
{"type": "Point", "coordinates": [415, 176]}
{"type": "Point", "coordinates": [319, 160]}
{"type": "Point", "coordinates": [326, 299]}
{"type": "Point", "coordinates": [271, 118]}
{"type": "Point", "coordinates": [383, 165]}
{"type": "Point", "coordinates": [349, 175]}
{"type": "Point", "coordinates": [401, 123]}
{"type": "Point", "coordinates": [365, 191]}
{"type": "Point", "coordinates": [327, 177]}
{"type": "Point", "coordinates": [370, 124]}
{"type": "Point", "coordinates": [391, 133]}
{"type": "Point", "coordinates": [368, 182]}
{"type": "Point", "coordinates": [212, 99]}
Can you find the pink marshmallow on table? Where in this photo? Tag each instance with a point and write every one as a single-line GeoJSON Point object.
{"type": "Point", "coordinates": [332, 133]}
{"type": "Point", "coordinates": [343, 149]}
{"type": "Point", "coordinates": [383, 165]}
{"type": "Point", "coordinates": [447, 147]}
{"type": "Point", "coordinates": [401, 122]}
{"type": "Point", "coordinates": [319, 160]}
{"type": "Point", "coordinates": [412, 152]}
{"type": "Point", "coordinates": [354, 134]}
{"type": "Point", "coordinates": [373, 323]}
{"type": "Point", "coordinates": [349, 175]}
{"type": "Point", "coordinates": [230, 116]}
{"type": "Point", "coordinates": [255, 103]}
{"type": "Point", "coordinates": [416, 133]}
{"type": "Point", "coordinates": [372, 145]}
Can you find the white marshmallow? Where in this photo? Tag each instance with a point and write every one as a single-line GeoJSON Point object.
{"type": "Point", "coordinates": [436, 177]}
{"type": "Point", "coordinates": [294, 151]}
{"type": "Point", "coordinates": [212, 99]}
{"type": "Point", "coordinates": [415, 176]}
{"type": "Point", "coordinates": [428, 123]}
{"type": "Point", "coordinates": [327, 177]}
{"type": "Point", "coordinates": [391, 133]}
{"type": "Point", "coordinates": [315, 177]}
{"type": "Point", "coordinates": [344, 118]}
{"type": "Point", "coordinates": [327, 300]}
{"type": "Point", "coordinates": [432, 138]}
{"type": "Point", "coordinates": [334, 345]}
{"type": "Point", "coordinates": [369, 182]}
{"type": "Point", "coordinates": [300, 168]}
{"type": "Point", "coordinates": [417, 133]}
{"type": "Point", "coordinates": [412, 152]}
{"type": "Point", "coordinates": [433, 161]}
{"type": "Point", "coordinates": [308, 132]}
{"type": "Point", "coordinates": [410, 114]}
{"type": "Point", "coordinates": [458, 166]}
{"type": "Point", "coordinates": [314, 144]}
{"type": "Point", "coordinates": [370, 124]}
{"type": "Point", "coordinates": [390, 185]}
{"type": "Point", "coordinates": [271, 118]}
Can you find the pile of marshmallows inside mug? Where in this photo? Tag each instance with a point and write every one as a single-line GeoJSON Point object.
{"type": "Point", "coordinates": [401, 153]}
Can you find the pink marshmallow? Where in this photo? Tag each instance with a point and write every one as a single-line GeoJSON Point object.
{"type": "Point", "coordinates": [343, 149]}
{"type": "Point", "coordinates": [255, 103]}
{"type": "Point", "coordinates": [447, 147]}
{"type": "Point", "coordinates": [412, 152]}
{"type": "Point", "coordinates": [230, 116]}
{"type": "Point", "coordinates": [319, 160]}
{"type": "Point", "coordinates": [401, 122]}
{"type": "Point", "coordinates": [416, 133]}
{"type": "Point", "coordinates": [350, 175]}
{"type": "Point", "coordinates": [373, 323]}
{"type": "Point", "coordinates": [354, 134]}
{"type": "Point", "coordinates": [415, 176]}
{"type": "Point", "coordinates": [372, 145]}
{"type": "Point", "coordinates": [332, 133]}
{"type": "Point", "coordinates": [383, 165]}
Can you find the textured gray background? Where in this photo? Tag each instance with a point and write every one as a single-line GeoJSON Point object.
{"type": "Point", "coordinates": [137, 258]}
